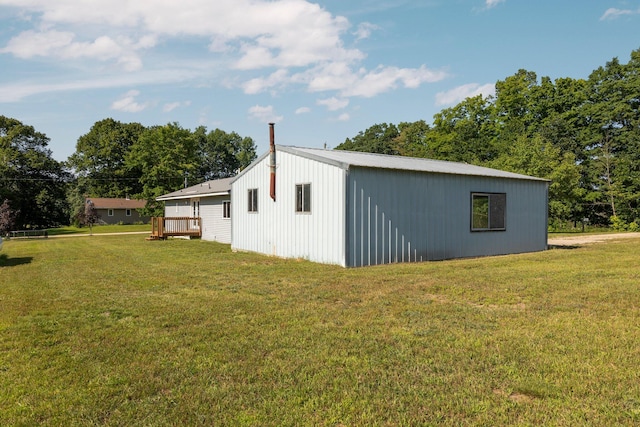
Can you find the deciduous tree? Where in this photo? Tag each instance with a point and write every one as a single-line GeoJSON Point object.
{"type": "Point", "coordinates": [30, 178]}
{"type": "Point", "coordinates": [379, 138]}
{"type": "Point", "coordinates": [221, 154]}
{"type": "Point", "coordinates": [7, 218]}
{"type": "Point", "coordinates": [99, 163]}
{"type": "Point", "coordinates": [165, 156]}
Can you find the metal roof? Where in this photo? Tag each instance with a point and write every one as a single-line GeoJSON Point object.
{"type": "Point", "coordinates": [216, 187]}
{"type": "Point", "coordinates": [347, 159]}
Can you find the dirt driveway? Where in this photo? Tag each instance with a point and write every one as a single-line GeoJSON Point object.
{"type": "Point", "coordinates": [589, 238]}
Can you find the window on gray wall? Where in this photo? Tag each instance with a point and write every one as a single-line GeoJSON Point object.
{"type": "Point", "coordinates": [253, 200]}
{"type": "Point", "coordinates": [303, 198]}
{"type": "Point", "coordinates": [488, 211]}
{"type": "Point", "coordinates": [128, 212]}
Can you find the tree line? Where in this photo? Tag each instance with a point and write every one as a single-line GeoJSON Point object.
{"type": "Point", "coordinates": [582, 134]}
{"type": "Point", "coordinates": [113, 159]}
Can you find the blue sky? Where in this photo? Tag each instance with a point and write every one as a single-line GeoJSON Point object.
{"type": "Point", "coordinates": [323, 71]}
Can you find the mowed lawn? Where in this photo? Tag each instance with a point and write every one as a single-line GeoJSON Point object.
{"type": "Point", "coordinates": [116, 330]}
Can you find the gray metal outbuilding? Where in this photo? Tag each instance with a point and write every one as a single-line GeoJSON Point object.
{"type": "Point", "coordinates": [359, 209]}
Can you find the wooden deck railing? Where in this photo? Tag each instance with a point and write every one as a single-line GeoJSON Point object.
{"type": "Point", "coordinates": [165, 226]}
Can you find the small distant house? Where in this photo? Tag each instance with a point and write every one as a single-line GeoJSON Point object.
{"type": "Point", "coordinates": [209, 203]}
{"type": "Point", "coordinates": [118, 211]}
{"type": "Point", "coordinates": [360, 209]}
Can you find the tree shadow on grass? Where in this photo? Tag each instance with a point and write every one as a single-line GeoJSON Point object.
{"type": "Point", "coordinates": [5, 261]}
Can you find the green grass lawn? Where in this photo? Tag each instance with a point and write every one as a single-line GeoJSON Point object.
{"type": "Point", "coordinates": [100, 229]}
{"type": "Point", "coordinates": [116, 330]}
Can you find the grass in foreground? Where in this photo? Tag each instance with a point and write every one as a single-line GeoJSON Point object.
{"type": "Point", "coordinates": [115, 330]}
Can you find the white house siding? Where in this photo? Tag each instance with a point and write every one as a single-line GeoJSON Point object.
{"type": "Point", "coordinates": [404, 216]}
{"type": "Point", "coordinates": [214, 226]}
{"type": "Point", "coordinates": [276, 229]}
{"type": "Point", "coordinates": [177, 208]}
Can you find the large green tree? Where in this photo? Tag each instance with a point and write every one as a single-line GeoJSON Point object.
{"type": "Point", "coordinates": [536, 157]}
{"type": "Point", "coordinates": [99, 159]}
{"type": "Point", "coordinates": [31, 181]}
{"type": "Point", "coordinates": [166, 157]}
{"type": "Point", "coordinates": [465, 133]}
{"type": "Point", "coordinates": [99, 163]}
{"type": "Point", "coordinates": [412, 139]}
{"type": "Point", "coordinates": [379, 138]}
{"type": "Point", "coordinates": [117, 159]}
{"type": "Point", "coordinates": [611, 138]}
{"type": "Point", "coordinates": [221, 154]}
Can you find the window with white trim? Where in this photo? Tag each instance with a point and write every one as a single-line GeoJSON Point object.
{"type": "Point", "coordinates": [109, 212]}
{"type": "Point", "coordinates": [303, 198]}
{"type": "Point", "coordinates": [253, 200]}
{"type": "Point", "coordinates": [128, 212]}
{"type": "Point", "coordinates": [488, 211]}
{"type": "Point", "coordinates": [226, 209]}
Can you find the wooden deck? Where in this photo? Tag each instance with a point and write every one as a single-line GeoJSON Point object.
{"type": "Point", "coordinates": [163, 227]}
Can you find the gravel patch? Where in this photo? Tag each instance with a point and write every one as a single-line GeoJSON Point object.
{"type": "Point", "coordinates": [590, 238]}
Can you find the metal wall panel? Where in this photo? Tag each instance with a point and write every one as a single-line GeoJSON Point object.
{"type": "Point", "coordinates": [276, 229]}
{"type": "Point", "coordinates": [369, 216]}
{"type": "Point", "coordinates": [405, 216]}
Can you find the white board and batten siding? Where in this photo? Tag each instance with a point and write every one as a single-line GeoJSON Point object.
{"type": "Point", "coordinates": [276, 228]}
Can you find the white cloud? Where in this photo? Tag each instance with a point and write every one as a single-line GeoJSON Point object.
{"type": "Point", "coordinates": [613, 13]}
{"type": "Point", "coordinates": [301, 40]}
{"type": "Point", "coordinates": [492, 3]}
{"type": "Point", "coordinates": [17, 91]}
{"type": "Point", "coordinates": [268, 33]}
{"type": "Point", "coordinates": [463, 92]}
{"type": "Point", "coordinates": [30, 43]}
{"type": "Point", "coordinates": [173, 105]}
{"type": "Point", "coordinates": [220, 44]}
{"type": "Point", "coordinates": [384, 78]}
{"type": "Point", "coordinates": [62, 44]}
{"type": "Point", "coordinates": [364, 30]}
{"type": "Point", "coordinates": [303, 110]}
{"type": "Point", "coordinates": [344, 117]}
{"type": "Point", "coordinates": [334, 103]}
{"type": "Point", "coordinates": [128, 103]}
{"type": "Point", "coordinates": [170, 106]}
{"type": "Point", "coordinates": [260, 84]}
{"type": "Point", "coordinates": [339, 76]}
{"type": "Point", "coordinates": [264, 114]}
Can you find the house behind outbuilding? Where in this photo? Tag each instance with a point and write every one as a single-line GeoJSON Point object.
{"type": "Point", "coordinates": [209, 201]}
{"type": "Point", "coordinates": [118, 210]}
{"type": "Point", "coordinates": [359, 209]}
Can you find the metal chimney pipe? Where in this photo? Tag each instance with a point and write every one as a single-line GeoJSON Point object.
{"type": "Point", "coordinates": [272, 161]}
